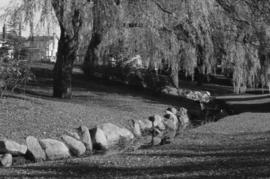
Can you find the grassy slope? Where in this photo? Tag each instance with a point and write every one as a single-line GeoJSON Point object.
{"type": "Point", "coordinates": [47, 118]}
{"type": "Point", "coordinates": [236, 146]}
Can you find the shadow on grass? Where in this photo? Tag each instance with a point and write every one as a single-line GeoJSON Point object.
{"type": "Point", "coordinates": [215, 162]}
{"type": "Point", "coordinates": [81, 85]}
{"type": "Point", "coordinates": [217, 167]}
{"type": "Point", "coordinates": [257, 108]}
{"type": "Point", "coordinates": [259, 91]}
{"type": "Point", "coordinates": [216, 154]}
{"type": "Point", "coordinates": [255, 104]}
{"type": "Point", "coordinates": [248, 98]}
{"type": "Point", "coordinates": [250, 106]}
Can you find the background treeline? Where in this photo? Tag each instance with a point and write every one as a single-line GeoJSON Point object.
{"type": "Point", "coordinates": [185, 38]}
{"type": "Point", "coordinates": [175, 38]}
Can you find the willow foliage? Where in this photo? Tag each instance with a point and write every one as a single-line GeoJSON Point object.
{"type": "Point", "coordinates": [176, 34]}
{"type": "Point", "coordinates": [38, 15]}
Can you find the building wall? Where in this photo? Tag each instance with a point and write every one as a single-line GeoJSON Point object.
{"type": "Point", "coordinates": [42, 49]}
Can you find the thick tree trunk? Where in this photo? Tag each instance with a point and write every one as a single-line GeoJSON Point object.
{"type": "Point", "coordinates": [76, 24]}
{"type": "Point", "coordinates": [67, 52]}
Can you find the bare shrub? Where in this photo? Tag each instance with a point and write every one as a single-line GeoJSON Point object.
{"type": "Point", "coordinates": [13, 74]}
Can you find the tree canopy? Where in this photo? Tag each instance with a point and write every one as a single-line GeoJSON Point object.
{"type": "Point", "coordinates": [190, 36]}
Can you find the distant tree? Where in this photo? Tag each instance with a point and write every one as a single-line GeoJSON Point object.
{"type": "Point", "coordinates": [187, 35]}
{"type": "Point", "coordinates": [253, 17]}
{"type": "Point", "coordinates": [75, 20]}
{"type": "Point", "coordinates": [76, 23]}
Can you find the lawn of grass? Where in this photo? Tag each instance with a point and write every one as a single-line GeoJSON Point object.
{"type": "Point", "coordinates": [235, 146]}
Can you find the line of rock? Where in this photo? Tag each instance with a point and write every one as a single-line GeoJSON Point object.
{"type": "Point", "coordinates": [84, 141]}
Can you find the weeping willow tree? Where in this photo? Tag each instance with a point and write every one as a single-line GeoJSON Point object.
{"type": "Point", "coordinates": [246, 65]}
{"type": "Point", "coordinates": [175, 33]}
{"type": "Point", "coordinates": [252, 58]}
{"type": "Point", "coordinates": [32, 15]}
{"type": "Point", "coordinates": [75, 21]}
{"type": "Point", "coordinates": [182, 34]}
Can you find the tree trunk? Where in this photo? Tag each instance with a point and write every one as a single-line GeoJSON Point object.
{"type": "Point", "coordinates": [175, 78]}
{"type": "Point", "coordinates": [76, 24]}
{"type": "Point", "coordinates": [67, 52]}
{"type": "Point", "coordinates": [200, 63]}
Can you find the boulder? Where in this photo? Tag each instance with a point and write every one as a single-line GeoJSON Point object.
{"type": "Point", "coordinates": [54, 149]}
{"type": "Point", "coordinates": [158, 133]}
{"type": "Point", "coordinates": [157, 141]}
{"type": "Point", "coordinates": [35, 149]}
{"type": "Point", "coordinates": [85, 137]}
{"type": "Point", "coordinates": [201, 96]}
{"type": "Point", "coordinates": [136, 128]}
{"type": "Point", "coordinates": [114, 133]}
{"type": "Point", "coordinates": [171, 121]}
{"type": "Point", "coordinates": [172, 110]}
{"type": "Point", "coordinates": [127, 134]}
{"type": "Point", "coordinates": [74, 135]}
{"type": "Point", "coordinates": [99, 139]}
{"type": "Point", "coordinates": [158, 122]}
{"type": "Point", "coordinates": [6, 160]}
{"type": "Point", "coordinates": [149, 140]}
{"type": "Point", "coordinates": [145, 125]}
{"type": "Point", "coordinates": [168, 136]}
{"type": "Point", "coordinates": [206, 96]}
{"type": "Point", "coordinates": [75, 146]}
{"type": "Point", "coordinates": [183, 118]}
{"type": "Point", "coordinates": [170, 90]}
{"type": "Point", "coordinates": [9, 146]}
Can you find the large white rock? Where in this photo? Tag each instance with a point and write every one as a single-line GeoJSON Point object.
{"type": "Point", "coordinates": [99, 139]}
{"type": "Point", "coordinates": [114, 133]}
{"type": "Point", "coordinates": [75, 146]}
{"type": "Point", "coordinates": [85, 137]}
{"type": "Point", "coordinates": [145, 125]}
{"type": "Point", "coordinates": [74, 134]}
{"type": "Point", "coordinates": [202, 96]}
{"type": "Point", "coordinates": [6, 160]}
{"type": "Point", "coordinates": [172, 110]}
{"type": "Point", "coordinates": [35, 149]}
{"type": "Point", "coordinates": [107, 135]}
{"type": "Point", "coordinates": [156, 140]}
{"type": "Point", "coordinates": [170, 90]}
{"type": "Point", "coordinates": [127, 134]}
{"type": "Point", "coordinates": [136, 128]}
{"type": "Point", "coordinates": [150, 140]}
{"type": "Point", "coordinates": [158, 122]}
{"type": "Point", "coordinates": [205, 96]}
{"type": "Point", "coordinates": [171, 121]}
{"type": "Point", "coordinates": [9, 146]}
{"type": "Point", "coordinates": [54, 149]}
{"type": "Point", "coordinates": [183, 118]}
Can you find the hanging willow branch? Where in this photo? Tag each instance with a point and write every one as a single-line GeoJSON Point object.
{"type": "Point", "coordinates": [36, 14]}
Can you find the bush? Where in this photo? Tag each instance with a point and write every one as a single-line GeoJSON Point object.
{"type": "Point", "coordinates": [13, 74]}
